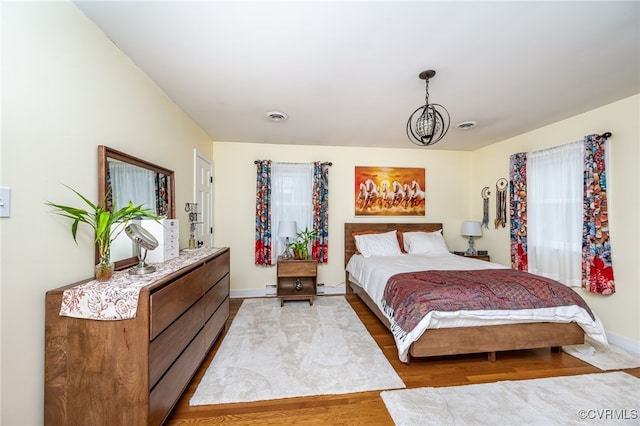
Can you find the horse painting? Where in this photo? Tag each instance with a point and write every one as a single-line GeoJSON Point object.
{"type": "Point", "coordinates": [389, 191]}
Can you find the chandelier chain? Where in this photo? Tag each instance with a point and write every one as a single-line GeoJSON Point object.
{"type": "Point", "coordinates": [426, 91]}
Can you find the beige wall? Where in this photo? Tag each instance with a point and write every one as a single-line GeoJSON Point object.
{"type": "Point", "coordinates": [447, 192]}
{"type": "Point", "coordinates": [65, 90]}
{"type": "Point", "coordinates": [454, 182]}
{"type": "Point", "coordinates": [620, 312]}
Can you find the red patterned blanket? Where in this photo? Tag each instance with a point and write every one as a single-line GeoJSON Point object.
{"type": "Point", "coordinates": [408, 297]}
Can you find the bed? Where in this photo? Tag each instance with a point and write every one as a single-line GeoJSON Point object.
{"type": "Point", "coordinates": [455, 336]}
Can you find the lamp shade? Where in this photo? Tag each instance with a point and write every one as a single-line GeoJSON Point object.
{"type": "Point", "coordinates": [471, 229]}
{"type": "Point", "coordinates": [287, 229]}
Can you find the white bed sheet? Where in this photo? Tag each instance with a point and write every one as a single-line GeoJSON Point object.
{"type": "Point", "coordinates": [372, 274]}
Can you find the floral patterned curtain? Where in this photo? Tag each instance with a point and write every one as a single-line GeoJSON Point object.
{"type": "Point", "coordinates": [320, 245]}
{"type": "Point", "coordinates": [263, 213]}
{"type": "Point", "coordinates": [518, 210]}
{"type": "Point", "coordinates": [162, 195]}
{"type": "Point", "coordinates": [320, 203]}
{"type": "Point", "coordinates": [597, 270]}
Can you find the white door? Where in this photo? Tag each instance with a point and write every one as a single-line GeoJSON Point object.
{"type": "Point", "coordinates": [203, 195]}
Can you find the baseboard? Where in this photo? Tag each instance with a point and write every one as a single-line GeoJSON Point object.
{"type": "Point", "coordinates": [624, 343]}
{"type": "Point", "coordinates": [340, 289]}
{"type": "Point", "coordinates": [247, 294]}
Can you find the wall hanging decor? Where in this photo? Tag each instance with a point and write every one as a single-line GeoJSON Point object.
{"type": "Point", "coordinates": [485, 206]}
{"type": "Point", "coordinates": [501, 202]}
{"type": "Point", "coordinates": [389, 191]}
{"type": "Point", "coordinates": [192, 209]}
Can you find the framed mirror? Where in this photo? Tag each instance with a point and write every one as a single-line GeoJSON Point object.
{"type": "Point", "coordinates": [127, 178]}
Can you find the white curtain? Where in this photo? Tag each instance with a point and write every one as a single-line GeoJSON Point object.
{"type": "Point", "coordinates": [291, 199]}
{"type": "Point", "coordinates": [554, 212]}
{"type": "Point", "coordinates": [132, 183]}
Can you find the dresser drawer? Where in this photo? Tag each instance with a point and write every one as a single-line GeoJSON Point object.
{"type": "Point", "coordinates": [215, 296]}
{"type": "Point", "coordinates": [216, 323]}
{"type": "Point", "coordinates": [168, 390]}
{"type": "Point", "coordinates": [165, 348]}
{"type": "Point", "coordinates": [171, 228]}
{"type": "Point", "coordinates": [216, 269]}
{"type": "Point", "coordinates": [297, 268]}
{"type": "Point", "coordinates": [170, 302]}
{"type": "Point", "coordinates": [171, 247]}
{"type": "Point", "coordinates": [162, 230]}
{"type": "Point", "coordinates": [159, 255]}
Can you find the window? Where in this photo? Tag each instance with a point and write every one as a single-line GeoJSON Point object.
{"type": "Point", "coordinates": [559, 216]}
{"type": "Point", "coordinates": [554, 183]}
{"type": "Point", "coordinates": [286, 191]}
{"type": "Point", "coordinates": [291, 199]}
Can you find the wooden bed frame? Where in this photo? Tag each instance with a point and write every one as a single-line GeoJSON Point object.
{"type": "Point", "coordinates": [463, 340]}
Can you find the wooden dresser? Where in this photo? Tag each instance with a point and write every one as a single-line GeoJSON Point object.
{"type": "Point", "coordinates": [132, 372]}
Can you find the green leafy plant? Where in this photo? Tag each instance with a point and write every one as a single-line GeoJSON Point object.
{"type": "Point", "coordinates": [300, 246]}
{"type": "Point", "coordinates": [107, 224]}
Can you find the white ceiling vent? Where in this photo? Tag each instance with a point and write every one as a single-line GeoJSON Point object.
{"type": "Point", "coordinates": [277, 116]}
{"type": "Point", "coordinates": [466, 125]}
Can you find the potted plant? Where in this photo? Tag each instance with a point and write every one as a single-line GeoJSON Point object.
{"type": "Point", "coordinates": [107, 224]}
{"type": "Point", "coordinates": [300, 246]}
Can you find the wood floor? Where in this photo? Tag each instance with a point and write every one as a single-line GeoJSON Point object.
{"type": "Point", "coordinates": [367, 408]}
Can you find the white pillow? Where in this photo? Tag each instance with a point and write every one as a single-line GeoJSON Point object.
{"type": "Point", "coordinates": [385, 244]}
{"type": "Point", "coordinates": [425, 243]}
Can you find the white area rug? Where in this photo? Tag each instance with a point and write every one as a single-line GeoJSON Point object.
{"type": "Point", "coordinates": [594, 399]}
{"type": "Point", "coordinates": [603, 357]}
{"type": "Point", "coordinates": [273, 352]}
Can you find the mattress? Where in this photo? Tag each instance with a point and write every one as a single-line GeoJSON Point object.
{"type": "Point", "coordinates": [372, 274]}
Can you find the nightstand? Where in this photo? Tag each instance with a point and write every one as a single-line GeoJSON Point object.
{"type": "Point", "coordinates": [484, 257]}
{"type": "Point", "coordinates": [296, 279]}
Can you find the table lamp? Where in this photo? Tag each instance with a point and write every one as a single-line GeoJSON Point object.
{"type": "Point", "coordinates": [287, 229]}
{"type": "Point", "coordinates": [471, 229]}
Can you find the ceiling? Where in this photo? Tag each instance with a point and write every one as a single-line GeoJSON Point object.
{"type": "Point", "coordinates": [346, 72]}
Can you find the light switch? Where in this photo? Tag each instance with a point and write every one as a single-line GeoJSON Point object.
{"type": "Point", "coordinates": [5, 201]}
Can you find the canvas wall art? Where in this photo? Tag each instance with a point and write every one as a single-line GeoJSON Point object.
{"type": "Point", "coordinates": [390, 191]}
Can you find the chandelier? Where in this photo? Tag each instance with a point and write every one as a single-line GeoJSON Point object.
{"type": "Point", "coordinates": [430, 122]}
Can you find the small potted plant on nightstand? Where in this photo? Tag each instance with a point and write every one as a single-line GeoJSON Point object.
{"type": "Point", "coordinates": [300, 246]}
{"type": "Point", "coordinates": [107, 224]}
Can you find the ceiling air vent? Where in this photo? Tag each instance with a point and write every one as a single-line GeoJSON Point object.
{"type": "Point", "coordinates": [276, 116]}
{"type": "Point", "coordinates": [466, 125]}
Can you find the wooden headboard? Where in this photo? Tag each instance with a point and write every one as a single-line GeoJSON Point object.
{"type": "Point", "coordinates": [350, 228]}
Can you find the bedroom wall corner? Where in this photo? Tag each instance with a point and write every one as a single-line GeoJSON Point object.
{"type": "Point", "coordinates": [618, 312]}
